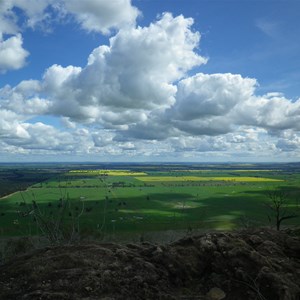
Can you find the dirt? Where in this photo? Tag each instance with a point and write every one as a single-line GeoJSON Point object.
{"type": "Point", "coordinates": [259, 264]}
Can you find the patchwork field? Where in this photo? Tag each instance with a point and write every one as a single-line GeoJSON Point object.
{"type": "Point", "coordinates": [153, 199]}
{"type": "Point", "coordinates": [106, 172]}
{"type": "Point", "coordinates": [208, 178]}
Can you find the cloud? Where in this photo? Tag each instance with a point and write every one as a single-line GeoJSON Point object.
{"type": "Point", "coordinates": [8, 24]}
{"type": "Point", "coordinates": [272, 111]}
{"type": "Point", "coordinates": [34, 10]}
{"type": "Point", "coordinates": [204, 102]}
{"type": "Point", "coordinates": [65, 121]}
{"type": "Point", "coordinates": [199, 144]}
{"type": "Point", "coordinates": [93, 15]}
{"type": "Point", "coordinates": [10, 127]}
{"type": "Point", "coordinates": [12, 54]}
{"type": "Point", "coordinates": [206, 95]}
{"type": "Point", "coordinates": [288, 145]}
{"type": "Point", "coordinates": [42, 137]}
{"type": "Point", "coordinates": [102, 15]}
{"type": "Point", "coordinates": [155, 127]}
{"type": "Point", "coordinates": [269, 28]}
{"type": "Point", "coordinates": [136, 96]}
{"type": "Point", "coordinates": [123, 82]}
{"type": "Point", "coordinates": [102, 138]}
{"type": "Point", "coordinates": [24, 99]}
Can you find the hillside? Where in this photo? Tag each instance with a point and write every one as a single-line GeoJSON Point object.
{"type": "Point", "coordinates": [261, 264]}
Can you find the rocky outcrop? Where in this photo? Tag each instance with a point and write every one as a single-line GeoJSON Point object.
{"type": "Point", "coordinates": [261, 264]}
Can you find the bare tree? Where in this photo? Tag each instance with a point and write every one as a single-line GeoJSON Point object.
{"type": "Point", "coordinates": [279, 206]}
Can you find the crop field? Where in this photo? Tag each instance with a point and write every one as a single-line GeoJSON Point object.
{"type": "Point", "coordinates": [107, 172]}
{"type": "Point", "coordinates": [153, 199]}
{"type": "Point", "coordinates": [208, 178]}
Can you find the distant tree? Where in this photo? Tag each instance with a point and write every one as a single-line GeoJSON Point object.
{"type": "Point", "coordinates": [279, 206]}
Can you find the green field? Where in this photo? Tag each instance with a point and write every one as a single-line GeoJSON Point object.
{"type": "Point", "coordinates": [208, 178]}
{"type": "Point", "coordinates": [154, 199]}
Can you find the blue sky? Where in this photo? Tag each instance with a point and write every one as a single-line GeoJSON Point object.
{"type": "Point", "coordinates": [149, 80]}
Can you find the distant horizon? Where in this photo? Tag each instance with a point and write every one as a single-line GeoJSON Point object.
{"type": "Point", "coordinates": [153, 162]}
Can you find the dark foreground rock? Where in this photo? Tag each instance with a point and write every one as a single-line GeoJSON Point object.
{"type": "Point", "coordinates": [261, 264]}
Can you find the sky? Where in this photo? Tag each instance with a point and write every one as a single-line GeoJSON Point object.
{"type": "Point", "coordinates": [150, 80]}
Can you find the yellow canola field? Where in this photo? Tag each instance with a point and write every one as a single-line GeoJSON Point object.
{"type": "Point", "coordinates": [197, 178]}
{"type": "Point", "coordinates": [108, 172]}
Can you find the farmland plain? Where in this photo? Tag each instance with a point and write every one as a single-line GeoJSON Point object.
{"type": "Point", "coordinates": [139, 198]}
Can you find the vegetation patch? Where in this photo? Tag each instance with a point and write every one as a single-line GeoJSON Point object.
{"type": "Point", "coordinates": [116, 202]}
{"type": "Point", "coordinates": [106, 173]}
{"type": "Point", "coordinates": [198, 178]}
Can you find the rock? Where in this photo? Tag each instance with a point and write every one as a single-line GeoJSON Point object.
{"type": "Point", "coordinates": [293, 244]}
{"type": "Point", "coordinates": [225, 261]}
{"type": "Point", "coordinates": [207, 245]}
{"type": "Point", "coordinates": [255, 239]}
{"type": "Point", "coordinates": [157, 251]}
{"type": "Point", "coordinates": [215, 294]}
{"type": "Point", "coordinates": [270, 248]}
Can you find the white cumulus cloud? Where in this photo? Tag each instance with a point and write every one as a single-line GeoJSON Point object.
{"type": "Point", "coordinates": [204, 102]}
{"type": "Point", "coordinates": [132, 76]}
{"type": "Point", "coordinates": [102, 15]}
{"type": "Point", "coordinates": [12, 54]}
